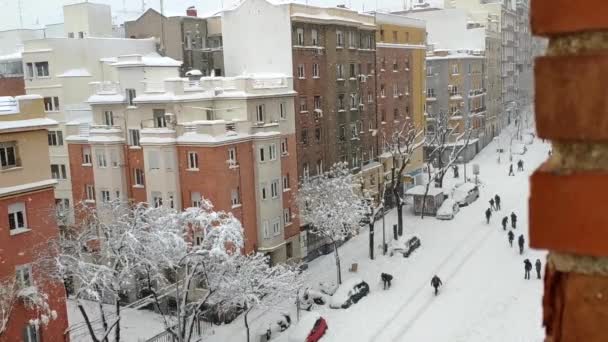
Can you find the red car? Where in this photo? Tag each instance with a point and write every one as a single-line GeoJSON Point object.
{"type": "Point", "coordinates": [310, 328]}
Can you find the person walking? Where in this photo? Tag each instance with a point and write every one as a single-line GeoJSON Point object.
{"type": "Point", "coordinates": [527, 268]}
{"type": "Point", "coordinates": [505, 221]}
{"type": "Point", "coordinates": [492, 204]}
{"type": "Point", "coordinates": [520, 242]}
{"type": "Point", "coordinates": [511, 170]}
{"type": "Point", "coordinates": [488, 215]}
{"type": "Point", "coordinates": [538, 266]}
{"type": "Point", "coordinates": [511, 237]}
{"type": "Point", "coordinates": [520, 165]}
{"type": "Point", "coordinates": [436, 282]}
{"type": "Point", "coordinates": [513, 220]}
{"type": "Point", "coordinates": [497, 201]}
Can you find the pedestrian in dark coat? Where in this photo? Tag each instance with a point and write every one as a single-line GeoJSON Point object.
{"type": "Point", "coordinates": [511, 237]}
{"type": "Point", "coordinates": [513, 220]}
{"type": "Point", "coordinates": [505, 220]}
{"type": "Point", "coordinates": [520, 242]}
{"type": "Point", "coordinates": [497, 201]}
{"type": "Point", "coordinates": [527, 268]}
{"type": "Point", "coordinates": [511, 170]}
{"type": "Point", "coordinates": [492, 204]}
{"type": "Point", "coordinates": [386, 280]}
{"type": "Point", "coordinates": [436, 282]}
{"type": "Point", "coordinates": [538, 266]}
{"type": "Point", "coordinates": [520, 165]}
{"type": "Point", "coordinates": [488, 215]}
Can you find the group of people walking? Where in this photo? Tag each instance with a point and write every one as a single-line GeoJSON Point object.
{"type": "Point", "coordinates": [520, 167]}
{"type": "Point", "coordinates": [528, 268]}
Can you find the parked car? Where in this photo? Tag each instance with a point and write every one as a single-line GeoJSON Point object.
{"type": "Point", "coordinates": [310, 328]}
{"type": "Point", "coordinates": [448, 209]}
{"type": "Point", "coordinates": [349, 293]}
{"type": "Point", "coordinates": [466, 194]}
{"type": "Point", "coordinates": [222, 312]}
{"type": "Point", "coordinates": [410, 246]}
{"type": "Point", "coordinates": [310, 297]}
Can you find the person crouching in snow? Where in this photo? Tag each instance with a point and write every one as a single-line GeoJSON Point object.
{"type": "Point", "coordinates": [386, 280]}
{"type": "Point", "coordinates": [436, 282]}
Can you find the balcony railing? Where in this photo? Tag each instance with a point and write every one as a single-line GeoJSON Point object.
{"type": "Point", "coordinates": [105, 88]}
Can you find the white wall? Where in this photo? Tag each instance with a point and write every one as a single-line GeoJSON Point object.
{"type": "Point", "coordinates": [94, 20]}
{"type": "Point", "coordinates": [257, 39]}
{"type": "Point", "coordinates": [12, 40]}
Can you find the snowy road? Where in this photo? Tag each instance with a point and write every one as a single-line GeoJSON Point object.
{"type": "Point", "coordinates": [484, 297]}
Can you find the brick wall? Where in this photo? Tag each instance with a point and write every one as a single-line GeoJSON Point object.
{"type": "Point", "coordinates": [81, 175]}
{"type": "Point", "coordinates": [567, 200]}
{"type": "Point", "coordinates": [12, 86]}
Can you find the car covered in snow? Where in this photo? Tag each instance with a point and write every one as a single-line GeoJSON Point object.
{"type": "Point", "coordinates": [311, 297]}
{"type": "Point", "coordinates": [410, 246]}
{"type": "Point", "coordinates": [310, 328]}
{"type": "Point", "coordinates": [465, 194]}
{"type": "Point", "coordinates": [349, 293]}
{"type": "Point", "coordinates": [448, 209]}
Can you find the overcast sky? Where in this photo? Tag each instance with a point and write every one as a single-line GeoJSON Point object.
{"type": "Point", "coordinates": [50, 11]}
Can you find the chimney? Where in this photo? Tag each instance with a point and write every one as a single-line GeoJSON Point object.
{"type": "Point", "coordinates": [191, 11]}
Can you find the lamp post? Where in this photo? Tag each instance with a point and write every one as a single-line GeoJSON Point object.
{"type": "Point", "coordinates": [371, 231]}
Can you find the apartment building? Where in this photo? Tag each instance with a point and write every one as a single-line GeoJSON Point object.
{"type": "Point", "coordinates": [27, 222]}
{"type": "Point", "coordinates": [168, 141]}
{"type": "Point", "coordinates": [400, 87]}
{"type": "Point", "coordinates": [454, 86]}
{"type": "Point", "coordinates": [502, 12]}
{"type": "Point", "coordinates": [523, 57]}
{"type": "Point", "coordinates": [195, 41]}
{"type": "Point", "coordinates": [60, 70]}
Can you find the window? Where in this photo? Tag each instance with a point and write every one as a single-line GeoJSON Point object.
{"type": "Point", "coordinates": [370, 97]}
{"type": "Point", "coordinates": [352, 39]}
{"type": "Point", "coordinates": [342, 136]}
{"type": "Point", "coordinates": [153, 160]}
{"type": "Point", "coordinates": [42, 69]}
{"type": "Point", "coordinates": [134, 137]}
{"type": "Point", "coordinates": [29, 70]}
{"type": "Point", "coordinates": [80, 34]}
{"type": "Point", "coordinates": [430, 92]}
{"type": "Point", "coordinates": [395, 36]}
{"type": "Point", "coordinates": [232, 156]}
{"type": "Point", "coordinates": [303, 104]}
{"type": "Point", "coordinates": [382, 90]}
{"type": "Point", "coordinates": [286, 182]}
{"type": "Point", "coordinates": [315, 70]}
{"type": "Point", "coordinates": [317, 102]}
{"type": "Point", "coordinates": [395, 114]}
{"type": "Point", "coordinates": [301, 73]}
{"type": "Point", "coordinates": [289, 250]}
{"type": "Point", "coordinates": [259, 113]}
{"type": "Point", "coordinates": [282, 110]}
{"type": "Point", "coordinates": [383, 115]}
{"type": "Point", "coordinates": [407, 64]}
{"type": "Point", "coordinates": [169, 160]}
{"type": "Point", "coordinates": [171, 200]}
{"type": "Point", "coordinates": [263, 191]}
{"type": "Point", "coordinates": [276, 227]}
{"type": "Point", "coordinates": [160, 120]}
{"type": "Point", "coordinates": [304, 136]}
{"type": "Point", "coordinates": [339, 39]}
{"type": "Point", "coordinates": [192, 160]}
{"type": "Point", "coordinates": [395, 91]}
{"type": "Point", "coordinates": [353, 131]}
{"type": "Point", "coordinates": [305, 170]}
{"type": "Point", "coordinates": [355, 159]}
{"type": "Point", "coordinates": [382, 64]}
{"type": "Point", "coordinates": [340, 71]}
{"type": "Point", "coordinates": [454, 68]}
{"type": "Point", "coordinates": [265, 231]}
{"type": "Point", "coordinates": [429, 71]}
{"type": "Point", "coordinates": [16, 216]}
{"type": "Point", "coordinates": [101, 158]}
{"type": "Point", "coordinates": [315, 37]}
{"type": "Point", "coordinates": [90, 192]}
{"type": "Point", "coordinates": [274, 188]}
{"type": "Point", "coordinates": [353, 101]}
{"type": "Point", "coordinates": [352, 67]}
{"type": "Point", "coordinates": [108, 118]}
{"type": "Point", "coordinates": [105, 196]}
{"type": "Point", "coordinates": [139, 177]}
{"type": "Point", "coordinates": [23, 275]}
{"type": "Point", "coordinates": [131, 94]}
{"type": "Point", "coordinates": [319, 166]}
{"type": "Point", "coordinates": [395, 66]}
{"type": "Point", "coordinates": [157, 199]}
{"type": "Point", "coordinates": [55, 138]}
{"type": "Point", "coordinates": [284, 149]}
{"type": "Point", "coordinates": [58, 171]}
{"type": "Point", "coordinates": [272, 151]}
{"type": "Point", "coordinates": [287, 215]}
{"type": "Point", "coordinates": [382, 35]}
{"type": "Point", "coordinates": [262, 155]}
{"type": "Point", "coordinates": [318, 134]}
{"type": "Point", "coordinates": [300, 36]}
{"type": "Point", "coordinates": [195, 199]}
{"type": "Point", "coordinates": [62, 204]}
{"type": "Point", "coordinates": [86, 156]}
{"type": "Point", "coordinates": [453, 90]}
{"type": "Point", "coordinates": [51, 104]}
{"type": "Point", "coordinates": [340, 101]}
{"type": "Point", "coordinates": [234, 197]}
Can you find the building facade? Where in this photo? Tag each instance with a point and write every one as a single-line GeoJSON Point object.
{"type": "Point", "coordinates": [523, 58]}
{"type": "Point", "coordinates": [195, 41]}
{"type": "Point", "coordinates": [229, 140]}
{"type": "Point", "coordinates": [27, 222]}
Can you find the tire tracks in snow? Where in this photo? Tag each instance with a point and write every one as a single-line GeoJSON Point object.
{"type": "Point", "coordinates": [463, 247]}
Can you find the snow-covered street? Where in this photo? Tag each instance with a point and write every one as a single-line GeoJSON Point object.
{"type": "Point", "coordinates": [485, 296]}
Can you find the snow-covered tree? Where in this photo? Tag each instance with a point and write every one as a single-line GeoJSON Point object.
{"type": "Point", "coordinates": [37, 303]}
{"type": "Point", "coordinates": [249, 280]}
{"type": "Point", "coordinates": [330, 204]}
{"type": "Point", "coordinates": [401, 146]}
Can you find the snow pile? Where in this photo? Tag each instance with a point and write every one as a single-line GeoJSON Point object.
{"type": "Point", "coordinates": [302, 330]}
{"type": "Point", "coordinates": [461, 192]}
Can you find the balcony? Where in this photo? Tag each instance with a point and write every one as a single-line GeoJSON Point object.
{"type": "Point", "coordinates": [105, 88]}
{"type": "Point", "coordinates": [105, 134]}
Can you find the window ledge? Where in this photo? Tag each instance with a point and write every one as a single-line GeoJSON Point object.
{"type": "Point", "coordinates": [286, 190]}
{"type": "Point", "coordinates": [287, 224]}
{"type": "Point", "coordinates": [87, 164]}
{"type": "Point", "coordinates": [235, 206]}
{"type": "Point", "coordinates": [193, 170]}
{"type": "Point", "coordinates": [89, 201]}
{"type": "Point", "coordinates": [316, 77]}
{"type": "Point", "coordinates": [285, 154]}
{"type": "Point", "coordinates": [303, 111]}
{"type": "Point", "coordinates": [134, 147]}
{"type": "Point", "coordinates": [138, 186]}
{"type": "Point", "coordinates": [301, 78]}
{"type": "Point", "coordinates": [19, 231]}
{"type": "Point", "coordinates": [16, 168]}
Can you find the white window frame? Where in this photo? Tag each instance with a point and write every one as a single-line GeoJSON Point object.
{"type": "Point", "coordinates": [272, 151]}
{"type": "Point", "coordinates": [274, 188]}
{"type": "Point", "coordinates": [114, 158]}
{"type": "Point", "coordinates": [265, 230]}
{"type": "Point", "coordinates": [232, 156]}
{"type": "Point", "coordinates": [319, 166]}
{"type": "Point", "coordinates": [339, 39]}
{"type": "Point", "coordinates": [105, 196]}
{"type": "Point", "coordinates": [32, 333]}
{"type": "Point", "coordinates": [193, 160]}
{"type": "Point", "coordinates": [286, 186]}
{"type": "Point", "coordinates": [262, 154]}
{"type": "Point", "coordinates": [195, 199]}
{"type": "Point", "coordinates": [301, 71]}
{"type": "Point", "coordinates": [61, 173]}
{"type": "Point", "coordinates": [55, 138]}
{"type": "Point", "coordinates": [14, 209]}
{"type": "Point", "coordinates": [45, 71]}
{"type": "Point", "coordinates": [134, 137]}
{"type": "Point", "coordinates": [283, 110]}
{"type": "Point", "coordinates": [24, 281]}
{"type": "Point", "coordinates": [86, 156]}
{"type": "Point", "coordinates": [284, 147]}
{"type": "Point", "coordinates": [108, 118]}
{"type": "Point", "coordinates": [52, 105]}
{"type": "Point", "coordinates": [139, 177]}
{"type": "Point", "coordinates": [235, 198]}
{"type": "Point", "coordinates": [157, 199]}
{"type": "Point", "coordinates": [315, 70]}
{"type": "Point", "coordinates": [303, 104]}
{"type": "Point", "coordinates": [287, 216]}
{"type": "Point", "coordinates": [89, 192]}
{"type": "Point", "coordinates": [300, 37]}
{"type": "Point", "coordinates": [169, 160]}
{"type": "Point", "coordinates": [314, 34]}
{"type": "Point", "coordinates": [260, 114]}
{"type": "Point", "coordinates": [263, 191]}
{"type": "Point", "coordinates": [276, 227]}
{"type": "Point", "coordinates": [102, 161]}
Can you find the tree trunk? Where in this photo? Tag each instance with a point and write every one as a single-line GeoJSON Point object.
{"type": "Point", "coordinates": [117, 331]}
{"type": "Point", "coordinates": [88, 323]}
{"type": "Point", "coordinates": [103, 320]}
{"type": "Point", "coordinates": [400, 218]}
{"type": "Point", "coordinates": [246, 322]}
{"type": "Point", "coordinates": [338, 269]}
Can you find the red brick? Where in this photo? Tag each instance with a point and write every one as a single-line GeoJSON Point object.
{"type": "Point", "coordinates": [12, 86]}
{"type": "Point", "coordinates": [554, 17]}
{"type": "Point", "coordinates": [570, 97]}
{"type": "Point", "coordinates": [568, 211]}
{"type": "Point", "coordinates": [578, 305]}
